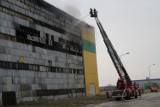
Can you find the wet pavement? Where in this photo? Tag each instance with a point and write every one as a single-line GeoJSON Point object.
{"type": "Point", "coordinates": [147, 100]}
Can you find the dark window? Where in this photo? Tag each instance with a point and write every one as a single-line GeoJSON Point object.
{"type": "Point", "coordinates": [47, 39]}
{"type": "Point", "coordinates": [9, 98]}
{"type": "Point", "coordinates": [50, 62]}
{"type": "Point", "coordinates": [32, 67]}
{"type": "Point", "coordinates": [20, 66]}
{"type": "Point", "coordinates": [78, 71]}
{"type": "Point", "coordinates": [70, 71]}
{"type": "Point", "coordinates": [52, 38]}
{"type": "Point", "coordinates": [59, 70]}
{"type": "Point", "coordinates": [13, 65]}
{"type": "Point", "coordinates": [49, 69]}
{"type": "Point", "coordinates": [63, 70]}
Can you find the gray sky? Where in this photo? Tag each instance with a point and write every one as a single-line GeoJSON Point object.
{"type": "Point", "coordinates": [132, 25]}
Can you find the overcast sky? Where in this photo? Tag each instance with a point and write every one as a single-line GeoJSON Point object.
{"type": "Point", "coordinates": [132, 26]}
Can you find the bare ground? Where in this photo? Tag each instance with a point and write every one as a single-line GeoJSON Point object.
{"type": "Point", "coordinates": [70, 102]}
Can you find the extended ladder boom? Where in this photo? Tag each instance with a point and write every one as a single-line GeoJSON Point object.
{"type": "Point", "coordinates": [112, 52]}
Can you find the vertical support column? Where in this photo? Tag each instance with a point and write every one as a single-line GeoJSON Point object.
{"type": "Point", "coordinates": [89, 54]}
{"type": "Point", "coordinates": [1, 99]}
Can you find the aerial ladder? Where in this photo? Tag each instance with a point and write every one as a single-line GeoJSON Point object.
{"type": "Point", "coordinates": [125, 87]}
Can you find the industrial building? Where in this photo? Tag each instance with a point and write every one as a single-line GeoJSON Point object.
{"type": "Point", "coordinates": [44, 53]}
{"type": "Point", "coordinates": [147, 83]}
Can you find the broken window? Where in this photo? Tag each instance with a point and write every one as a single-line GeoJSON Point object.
{"type": "Point", "coordinates": [47, 38]}
{"type": "Point", "coordinates": [52, 38]}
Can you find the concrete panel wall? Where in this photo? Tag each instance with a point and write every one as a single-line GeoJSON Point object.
{"type": "Point", "coordinates": [8, 49]}
{"type": "Point", "coordinates": [26, 13]}
{"type": "Point", "coordinates": [33, 10]}
{"type": "Point", "coordinates": [1, 99]}
{"type": "Point", "coordinates": [25, 83]}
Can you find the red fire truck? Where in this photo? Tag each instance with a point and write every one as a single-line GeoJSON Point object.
{"type": "Point", "coordinates": [125, 87]}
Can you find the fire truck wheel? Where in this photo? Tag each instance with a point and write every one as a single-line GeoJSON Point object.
{"type": "Point", "coordinates": [136, 96]}
{"type": "Point", "coordinates": [117, 99]}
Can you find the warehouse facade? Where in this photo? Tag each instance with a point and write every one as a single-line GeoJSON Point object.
{"type": "Point", "coordinates": [147, 83]}
{"type": "Point", "coordinates": [41, 53]}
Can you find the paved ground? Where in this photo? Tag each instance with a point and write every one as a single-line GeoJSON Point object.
{"type": "Point", "coordinates": [147, 100]}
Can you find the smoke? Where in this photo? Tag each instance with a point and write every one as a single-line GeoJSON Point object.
{"type": "Point", "coordinates": [71, 8]}
{"type": "Point", "coordinates": [74, 11]}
